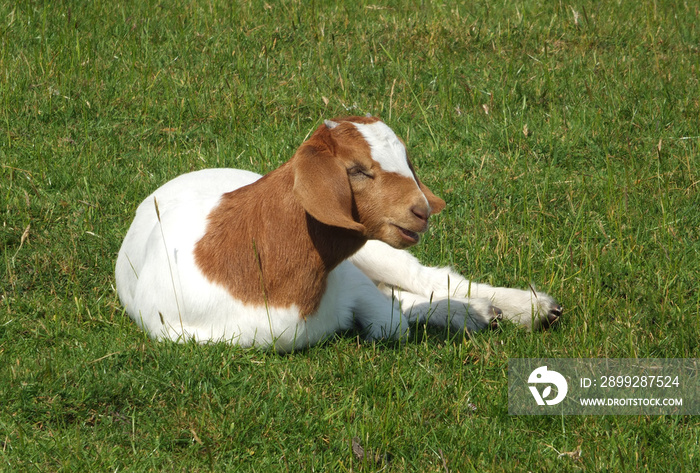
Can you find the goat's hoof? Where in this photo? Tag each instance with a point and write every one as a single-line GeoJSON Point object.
{"type": "Point", "coordinates": [497, 317]}
{"type": "Point", "coordinates": [553, 316]}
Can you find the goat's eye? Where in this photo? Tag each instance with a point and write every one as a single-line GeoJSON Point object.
{"type": "Point", "coordinates": [359, 171]}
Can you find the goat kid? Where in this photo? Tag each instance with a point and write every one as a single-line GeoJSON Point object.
{"type": "Point", "coordinates": [312, 248]}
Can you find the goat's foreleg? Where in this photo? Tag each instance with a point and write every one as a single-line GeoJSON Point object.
{"type": "Point", "coordinates": [454, 312]}
{"type": "Point", "coordinates": [401, 270]}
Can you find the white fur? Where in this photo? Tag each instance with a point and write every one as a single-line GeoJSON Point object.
{"type": "Point", "coordinates": [380, 289]}
{"type": "Point", "coordinates": [416, 285]}
{"type": "Point", "coordinates": [386, 148]}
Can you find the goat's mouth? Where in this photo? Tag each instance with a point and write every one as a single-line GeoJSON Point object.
{"type": "Point", "coordinates": [408, 235]}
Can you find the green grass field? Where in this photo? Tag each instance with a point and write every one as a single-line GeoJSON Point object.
{"type": "Point", "coordinates": [564, 137]}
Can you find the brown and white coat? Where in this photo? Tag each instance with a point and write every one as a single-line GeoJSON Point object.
{"type": "Point", "coordinates": [312, 248]}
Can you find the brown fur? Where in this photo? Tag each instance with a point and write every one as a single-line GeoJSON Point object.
{"type": "Point", "coordinates": [275, 241]}
{"type": "Point", "coordinates": [258, 259]}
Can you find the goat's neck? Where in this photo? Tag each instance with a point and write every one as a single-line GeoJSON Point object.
{"type": "Point", "coordinates": [265, 249]}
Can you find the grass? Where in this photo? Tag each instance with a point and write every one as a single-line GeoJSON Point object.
{"type": "Point", "coordinates": [563, 136]}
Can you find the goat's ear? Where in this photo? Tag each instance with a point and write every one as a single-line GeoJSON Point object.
{"type": "Point", "coordinates": [321, 185]}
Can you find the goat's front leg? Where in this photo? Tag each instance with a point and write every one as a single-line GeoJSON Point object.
{"type": "Point", "coordinates": [454, 312]}
{"type": "Point", "coordinates": [400, 269]}
{"type": "Point", "coordinates": [360, 304]}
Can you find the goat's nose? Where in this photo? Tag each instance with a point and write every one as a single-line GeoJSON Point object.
{"type": "Point", "coordinates": [421, 212]}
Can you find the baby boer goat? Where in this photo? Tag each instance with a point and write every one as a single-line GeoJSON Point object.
{"type": "Point", "coordinates": [312, 248]}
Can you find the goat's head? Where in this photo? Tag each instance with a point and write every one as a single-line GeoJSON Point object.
{"type": "Point", "coordinates": [354, 173]}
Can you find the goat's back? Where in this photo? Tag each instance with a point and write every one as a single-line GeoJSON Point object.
{"type": "Point", "coordinates": [178, 209]}
{"type": "Point", "coordinates": [156, 261]}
